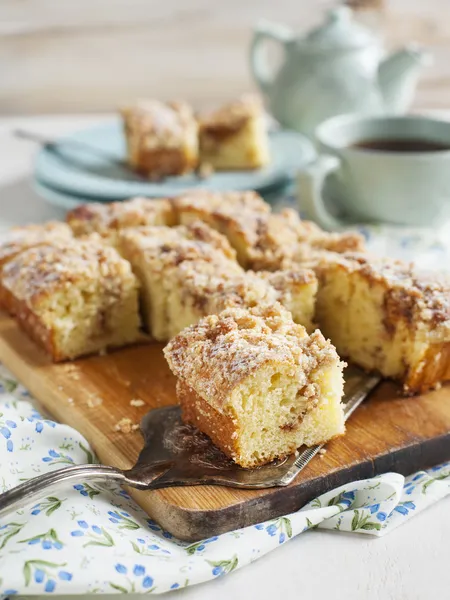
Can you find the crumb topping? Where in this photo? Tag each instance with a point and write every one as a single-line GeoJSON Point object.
{"type": "Point", "coordinates": [159, 124]}
{"type": "Point", "coordinates": [264, 240]}
{"type": "Point", "coordinates": [21, 238]}
{"type": "Point", "coordinates": [221, 204]}
{"type": "Point", "coordinates": [216, 354]}
{"type": "Point", "coordinates": [174, 244]}
{"type": "Point", "coordinates": [136, 212]}
{"type": "Point", "coordinates": [418, 297]}
{"type": "Point", "coordinates": [39, 271]}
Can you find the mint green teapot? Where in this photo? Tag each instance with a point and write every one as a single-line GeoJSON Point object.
{"type": "Point", "coordinates": [337, 68]}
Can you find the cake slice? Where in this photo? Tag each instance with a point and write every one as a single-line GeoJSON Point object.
{"type": "Point", "coordinates": [385, 316]}
{"type": "Point", "coordinates": [257, 384]}
{"type": "Point", "coordinates": [263, 240]}
{"type": "Point", "coordinates": [21, 238]}
{"type": "Point", "coordinates": [108, 219]}
{"type": "Point", "coordinates": [156, 255]}
{"type": "Point", "coordinates": [73, 298]}
{"type": "Point", "coordinates": [235, 136]}
{"type": "Point", "coordinates": [162, 138]}
{"type": "Point", "coordinates": [190, 271]}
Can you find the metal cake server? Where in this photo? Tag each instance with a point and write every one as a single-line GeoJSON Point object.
{"type": "Point", "coordinates": [177, 454]}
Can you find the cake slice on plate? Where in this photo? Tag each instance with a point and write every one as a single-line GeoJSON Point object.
{"type": "Point", "coordinates": [257, 384]}
{"type": "Point", "coordinates": [235, 136]}
{"type": "Point", "coordinates": [73, 298]}
{"type": "Point", "coordinates": [386, 316]}
{"type": "Point", "coordinates": [162, 138]}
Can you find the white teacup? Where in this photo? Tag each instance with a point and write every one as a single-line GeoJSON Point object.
{"type": "Point", "coordinates": [388, 169]}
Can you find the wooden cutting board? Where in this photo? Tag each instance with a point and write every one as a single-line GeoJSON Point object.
{"type": "Point", "coordinates": [388, 432]}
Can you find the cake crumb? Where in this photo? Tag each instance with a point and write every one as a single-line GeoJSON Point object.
{"type": "Point", "coordinates": [70, 400]}
{"type": "Point", "coordinates": [322, 452]}
{"type": "Point", "coordinates": [137, 402]}
{"type": "Point", "coordinates": [94, 401]}
{"type": "Point", "coordinates": [205, 170]}
{"type": "Point", "coordinates": [125, 425]}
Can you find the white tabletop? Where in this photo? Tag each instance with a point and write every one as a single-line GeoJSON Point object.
{"type": "Point", "coordinates": [408, 564]}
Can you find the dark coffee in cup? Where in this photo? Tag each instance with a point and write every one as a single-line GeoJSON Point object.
{"type": "Point", "coordinates": [401, 145]}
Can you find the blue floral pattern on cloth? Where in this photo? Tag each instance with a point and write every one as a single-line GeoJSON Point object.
{"type": "Point", "coordinates": [89, 538]}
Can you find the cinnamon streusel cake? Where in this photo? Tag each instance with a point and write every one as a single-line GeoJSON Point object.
{"type": "Point", "coordinates": [386, 316]}
{"type": "Point", "coordinates": [73, 298]}
{"type": "Point", "coordinates": [156, 254]}
{"type": "Point", "coordinates": [263, 240]}
{"type": "Point", "coordinates": [108, 219]}
{"type": "Point", "coordinates": [257, 383]}
{"type": "Point", "coordinates": [188, 272]}
{"type": "Point", "coordinates": [235, 135]}
{"type": "Point", "coordinates": [162, 138]}
{"type": "Point", "coordinates": [21, 238]}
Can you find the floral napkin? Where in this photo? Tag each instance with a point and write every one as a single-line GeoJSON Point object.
{"type": "Point", "coordinates": [87, 538]}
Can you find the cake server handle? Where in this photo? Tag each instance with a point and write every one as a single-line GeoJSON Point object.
{"type": "Point", "coordinates": [30, 490]}
{"type": "Point", "coordinates": [47, 142]}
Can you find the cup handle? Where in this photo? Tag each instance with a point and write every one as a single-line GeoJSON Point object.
{"type": "Point", "coordinates": [311, 182]}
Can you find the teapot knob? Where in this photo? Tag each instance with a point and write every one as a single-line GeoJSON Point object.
{"type": "Point", "coordinates": [340, 14]}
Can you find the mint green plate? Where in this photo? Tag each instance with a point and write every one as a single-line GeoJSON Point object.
{"type": "Point", "coordinates": [81, 173]}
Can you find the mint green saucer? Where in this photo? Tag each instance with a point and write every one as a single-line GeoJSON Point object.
{"type": "Point", "coordinates": [81, 173]}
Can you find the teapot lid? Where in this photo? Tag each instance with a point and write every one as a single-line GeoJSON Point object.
{"type": "Point", "coordinates": [339, 31]}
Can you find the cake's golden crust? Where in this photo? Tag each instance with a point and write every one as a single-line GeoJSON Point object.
{"type": "Point", "coordinates": [220, 427]}
{"type": "Point", "coordinates": [105, 219]}
{"type": "Point", "coordinates": [21, 238]}
{"type": "Point", "coordinates": [434, 369]}
{"type": "Point", "coordinates": [29, 322]}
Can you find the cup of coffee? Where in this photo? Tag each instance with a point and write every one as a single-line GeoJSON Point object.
{"type": "Point", "coordinates": [383, 169]}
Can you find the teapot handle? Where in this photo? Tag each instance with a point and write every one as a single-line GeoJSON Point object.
{"type": "Point", "coordinates": [310, 184]}
{"type": "Point", "coordinates": [258, 59]}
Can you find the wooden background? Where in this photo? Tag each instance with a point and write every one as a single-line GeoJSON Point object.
{"type": "Point", "coordinates": [91, 55]}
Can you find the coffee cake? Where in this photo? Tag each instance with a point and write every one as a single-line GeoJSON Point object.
{"type": "Point", "coordinates": [235, 136]}
{"type": "Point", "coordinates": [257, 384]}
{"type": "Point", "coordinates": [386, 316]}
{"type": "Point", "coordinates": [162, 138]}
{"type": "Point", "coordinates": [73, 298]}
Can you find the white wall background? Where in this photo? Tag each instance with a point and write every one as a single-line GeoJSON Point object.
{"type": "Point", "coordinates": [80, 55]}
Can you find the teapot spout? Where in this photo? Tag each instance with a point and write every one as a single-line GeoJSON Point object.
{"type": "Point", "coordinates": [398, 75]}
